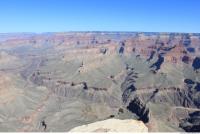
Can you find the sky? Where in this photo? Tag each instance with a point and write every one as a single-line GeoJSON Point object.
{"type": "Point", "coordinates": [99, 15]}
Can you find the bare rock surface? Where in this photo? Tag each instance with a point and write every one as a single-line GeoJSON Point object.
{"type": "Point", "coordinates": [112, 125]}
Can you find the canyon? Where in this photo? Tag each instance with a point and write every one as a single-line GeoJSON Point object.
{"type": "Point", "coordinates": [55, 82]}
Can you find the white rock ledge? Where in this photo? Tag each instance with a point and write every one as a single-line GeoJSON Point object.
{"type": "Point", "coordinates": [113, 125]}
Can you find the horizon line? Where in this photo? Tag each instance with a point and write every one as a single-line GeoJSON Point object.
{"type": "Point", "coordinates": [97, 31]}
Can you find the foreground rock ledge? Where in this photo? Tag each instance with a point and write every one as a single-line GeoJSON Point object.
{"type": "Point", "coordinates": [113, 125]}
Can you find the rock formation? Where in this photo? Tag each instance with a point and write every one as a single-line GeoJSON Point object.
{"type": "Point", "coordinates": [112, 125]}
{"type": "Point", "coordinates": [58, 81]}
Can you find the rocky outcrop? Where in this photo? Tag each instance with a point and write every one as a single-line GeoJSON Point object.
{"type": "Point", "coordinates": [186, 59]}
{"type": "Point", "coordinates": [158, 63]}
{"type": "Point", "coordinates": [191, 123]}
{"type": "Point", "coordinates": [73, 90]}
{"type": "Point", "coordinates": [133, 104]}
{"type": "Point", "coordinates": [186, 40]}
{"type": "Point", "coordinates": [128, 86]}
{"type": "Point", "coordinates": [136, 106]}
{"type": "Point", "coordinates": [113, 125]}
{"type": "Point", "coordinates": [151, 56]}
{"type": "Point", "coordinates": [103, 50]}
{"type": "Point", "coordinates": [121, 48]}
{"type": "Point", "coordinates": [140, 101]}
{"type": "Point", "coordinates": [196, 63]}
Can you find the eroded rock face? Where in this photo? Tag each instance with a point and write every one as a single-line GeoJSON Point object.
{"type": "Point", "coordinates": [196, 63]}
{"type": "Point", "coordinates": [136, 106]}
{"type": "Point", "coordinates": [72, 79]}
{"type": "Point", "coordinates": [185, 59]}
{"type": "Point", "coordinates": [142, 101]}
{"type": "Point", "coordinates": [151, 56]}
{"type": "Point", "coordinates": [121, 48]}
{"type": "Point", "coordinates": [156, 49]}
{"type": "Point", "coordinates": [158, 63]}
{"type": "Point", "coordinates": [191, 123]}
{"type": "Point", "coordinates": [113, 125]}
{"type": "Point", "coordinates": [73, 90]}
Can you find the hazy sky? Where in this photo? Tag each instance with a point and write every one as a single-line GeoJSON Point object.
{"type": "Point", "coordinates": [99, 15]}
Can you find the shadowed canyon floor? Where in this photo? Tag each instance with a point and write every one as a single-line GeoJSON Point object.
{"type": "Point", "coordinates": [54, 82]}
